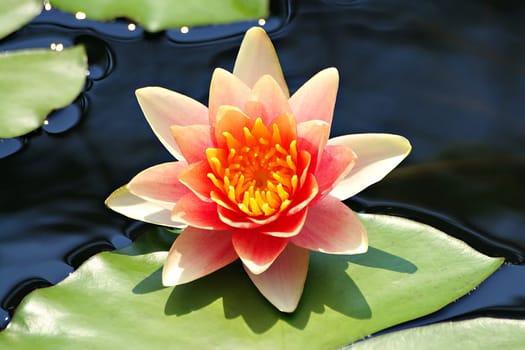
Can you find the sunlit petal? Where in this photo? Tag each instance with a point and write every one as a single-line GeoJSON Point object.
{"type": "Point", "coordinates": [231, 120]}
{"type": "Point", "coordinates": [377, 155]}
{"type": "Point", "coordinates": [159, 184]}
{"type": "Point", "coordinates": [307, 193]}
{"type": "Point", "coordinates": [194, 179]}
{"type": "Point", "coordinates": [124, 202]}
{"type": "Point", "coordinates": [226, 89]}
{"type": "Point", "coordinates": [273, 102]}
{"type": "Point", "coordinates": [283, 282]}
{"type": "Point", "coordinates": [192, 141]}
{"type": "Point", "coordinates": [239, 220]}
{"type": "Point", "coordinates": [163, 108]}
{"type": "Point", "coordinates": [286, 226]}
{"type": "Point", "coordinates": [332, 227]}
{"type": "Point", "coordinates": [194, 212]}
{"type": "Point", "coordinates": [312, 137]}
{"type": "Point", "coordinates": [197, 253]}
{"type": "Point", "coordinates": [336, 163]}
{"type": "Point", "coordinates": [256, 58]}
{"type": "Point", "coordinates": [316, 98]}
{"type": "Point", "coordinates": [257, 250]}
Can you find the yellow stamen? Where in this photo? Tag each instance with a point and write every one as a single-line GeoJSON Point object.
{"type": "Point", "coordinates": [257, 173]}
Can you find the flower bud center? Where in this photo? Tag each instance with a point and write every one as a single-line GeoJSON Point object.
{"type": "Point", "coordinates": [256, 173]}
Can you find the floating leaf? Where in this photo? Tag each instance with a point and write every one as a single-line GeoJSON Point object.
{"type": "Point", "coordinates": [34, 82]}
{"type": "Point", "coordinates": [163, 14]}
{"type": "Point", "coordinates": [479, 333]}
{"type": "Point", "coordinates": [15, 13]}
{"type": "Point", "coordinates": [116, 300]}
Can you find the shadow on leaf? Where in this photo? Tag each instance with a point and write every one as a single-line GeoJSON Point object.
{"type": "Point", "coordinates": [150, 284]}
{"type": "Point", "coordinates": [328, 285]}
{"type": "Point", "coordinates": [380, 259]}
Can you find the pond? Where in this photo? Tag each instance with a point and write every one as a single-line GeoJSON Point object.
{"type": "Point", "coordinates": [448, 76]}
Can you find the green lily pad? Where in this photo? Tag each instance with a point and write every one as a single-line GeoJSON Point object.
{"type": "Point", "coordinates": [34, 82]}
{"type": "Point", "coordinates": [116, 300]}
{"type": "Point", "coordinates": [479, 333]}
{"type": "Point", "coordinates": [163, 14]}
{"type": "Point", "coordinates": [15, 13]}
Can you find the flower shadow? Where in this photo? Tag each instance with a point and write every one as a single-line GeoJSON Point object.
{"type": "Point", "coordinates": [380, 259]}
{"type": "Point", "coordinates": [150, 284]}
{"type": "Point", "coordinates": [328, 286]}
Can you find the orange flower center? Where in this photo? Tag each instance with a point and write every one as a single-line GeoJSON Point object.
{"type": "Point", "coordinates": [256, 173]}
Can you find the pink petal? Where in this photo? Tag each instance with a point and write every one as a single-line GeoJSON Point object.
{"type": "Point", "coordinates": [286, 226]}
{"type": "Point", "coordinates": [226, 89]}
{"type": "Point", "coordinates": [124, 202]}
{"type": "Point", "coordinates": [197, 253]}
{"type": "Point", "coordinates": [194, 212]}
{"type": "Point", "coordinates": [195, 178]}
{"type": "Point", "coordinates": [240, 220]}
{"type": "Point", "coordinates": [377, 155]}
{"type": "Point", "coordinates": [163, 108]}
{"type": "Point", "coordinates": [232, 120]}
{"type": "Point", "coordinates": [256, 58]}
{"type": "Point", "coordinates": [305, 194]}
{"type": "Point", "coordinates": [336, 162]}
{"type": "Point", "coordinates": [223, 201]}
{"type": "Point", "coordinates": [283, 283]}
{"type": "Point", "coordinates": [303, 165]}
{"type": "Point", "coordinates": [273, 102]}
{"type": "Point", "coordinates": [331, 227]}
{"type": "Point", "coordinates": [192, 141]}
{"type": "Point", "coordinates": [312, 137]}
{"type": "Point", "coordinates": [159, 184]}
{"type": "Point", "coordinates": [257, 250]}
{"type": "Point", "coordinates": [315, 100]}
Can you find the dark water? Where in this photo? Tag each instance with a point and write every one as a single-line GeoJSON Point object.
{"type": "Point", "coordinates": [448, 75]}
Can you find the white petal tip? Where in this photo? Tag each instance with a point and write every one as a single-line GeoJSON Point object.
{"type": "Point", "coordinates": [171, 275]}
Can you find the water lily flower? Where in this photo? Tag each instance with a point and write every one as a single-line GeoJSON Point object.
{"type": "Point", "coordinates": [257, 177]}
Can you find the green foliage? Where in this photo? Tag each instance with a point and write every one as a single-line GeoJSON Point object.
{"type": "Point", "coordinates": [479, 333]}
{"type": "Point", "coordinates": [162, 14]}
{"type": "Point", "coordinates": [116, 300]}
{"type": "Point", "coordinates": [16, 13]}
{"type": "Point", "coordinates": [34, 82]}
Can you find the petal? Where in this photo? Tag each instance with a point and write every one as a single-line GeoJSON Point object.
{"type": "Point", "coordinates": [303, 166]}
{"type": "Point", "coordinates": [336, 162]}
{"type": "Point", "coordinates": [257, 250]}
{"type": "Point", "coordinates": [269, 98]}
{"type": "Point", "coordinates": [316, 98]}
{"type": "Point", "coordinates": [287, 226]}
{"type": "Point", "coordinates": [305, 194]}
{"type": "Point", "coordinates": [256, 58]}
{"type": "Point", "coordinates": [283, 283]}
{"type": "Point", "coordinates": [377, 155]}
{"type": "Point", "coordinates": [124, 202]}
{"type": "Point", "coordinates": [194, 212]}
{"type": "Point", "coordinates": [312, 137]}
{"type": "Point", "coordinates": [238, 219]}
{"type": "Point", "coordinates": [192, 141]}
{"type": "Point", "coordinates": [331, 227]}
{"type": "Point", "coordinates": [159, 184]}
{"type": "Point", "coordinates": [226, 89]}
{"type": "Point", "coordinates": [163, 108]}
{"type": "Point", "coordinates": [197, 253]}
{"type": "Point", "coordinates": [231, 120]}
{"type": "Point", "coordinates": [195, 178]}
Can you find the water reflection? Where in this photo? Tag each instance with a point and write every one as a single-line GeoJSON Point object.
{"type": "Point", "coordinates": [100, 57]}
{"type": "Point", "coordinates": [10, 146]}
